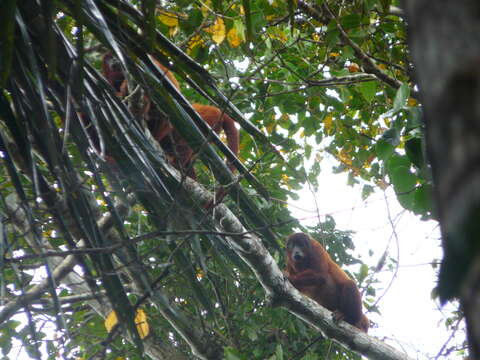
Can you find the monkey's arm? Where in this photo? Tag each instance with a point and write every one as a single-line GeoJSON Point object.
{"type": "Point", "coordinates": [306, 278]}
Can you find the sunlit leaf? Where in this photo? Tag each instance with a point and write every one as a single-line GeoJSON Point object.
{"type": "Point", "coordinates": [233, 38]}
{"type": "Point", "coordinates": [142, 324]}
{"type": "Point", "coordinates": [111, 321]}
{"type": "Point", "coordinates": [412, 101]}
{"type": "Point", "coordinates": [217, 30]}
{"type": "Point", "coordinates": [168, 19]}
{"type": "Point", "coordinates": [194, 42]}
{"type": "Point", "coordinates": [328, 123]}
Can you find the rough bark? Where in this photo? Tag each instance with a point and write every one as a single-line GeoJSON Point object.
{"type": "Point", "coordinates": [445, 44]}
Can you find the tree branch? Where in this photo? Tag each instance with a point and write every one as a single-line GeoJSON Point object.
{"type": "Point", "coordinates": [280, 292]}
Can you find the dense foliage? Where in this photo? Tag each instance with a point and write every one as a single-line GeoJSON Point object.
{"type": "Point", "coordinates": [311, 80]}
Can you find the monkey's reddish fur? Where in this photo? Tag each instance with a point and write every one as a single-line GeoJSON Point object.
{"type": "Point", "coordinates": [320, 278]}
{"type": "Point", "coordinates": [177, 147]}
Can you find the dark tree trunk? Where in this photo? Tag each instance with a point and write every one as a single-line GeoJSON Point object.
{"type": "Point", "coordinates": [445, 44]}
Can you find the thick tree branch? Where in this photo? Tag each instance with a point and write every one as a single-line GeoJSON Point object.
{"type": "Point", "coordinates": [279, 291]}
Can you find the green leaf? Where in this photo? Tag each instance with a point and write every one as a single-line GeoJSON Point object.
{"type": "Point", "coordinates": [392, 136]}
{"type": "Point", "coordinates": [404, 183]}
{"type": "Point", "coordinates": [401, 97]}
{"type": "Point", "coordinates": [279, 352]}
{"type": "Point", "coordinates": [384, 149]}
{"type": "Point", "coordinates": [414, 120]}
{"type": "Point", "coordinates": [233, 354]}
{"type": "Point", "coordinates": [366, 191]}
{"type": "Point", "coordinates": [368, 90]}
{"type": "Point", "coordinates": [402, 179]}
{"type": "Point", "coordinates": [363, 273]}
{"type": "Point", "coordinates": [395, 161]}
{"type": "Point", "coordinates": [350, 21]}
{"type": "Point", "coordinates": [413, 149]}
{"type": "Point", "coordinates": [423, 199]}
{"type": "Point", "coordinates": [332, 37]}
{"type": "Point", "coordinates": [252, 334]}
{"type": "Point", "coordinates": [407, 200]}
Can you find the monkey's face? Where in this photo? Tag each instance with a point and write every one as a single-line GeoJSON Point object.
{"type": "Point", "coordinates": [298, 249]}
{"type": "Point", "coordinates": [112, 69]}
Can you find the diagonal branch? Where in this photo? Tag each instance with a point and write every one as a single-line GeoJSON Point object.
{"type": "Point", "coordinates": [280, 292]}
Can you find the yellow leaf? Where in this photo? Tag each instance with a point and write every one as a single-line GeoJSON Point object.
{"type": "Point", "coordinates": [382, 66]}
{"type": "Point", "coordinates": [334, 54]}
{"type": "Point", "coordinates": [412, 102]}
{"type": "Point", "coordinates": [344, 157]}
{"type": "Point", "coordinates": [142, 324]}
{"type": "Point", "coordinates": [328, 123]}
{"type": "Point", "coordinates": [111, 321]}
{"type": "Point", "coordinates": [270, 127]}
{"type": "Point", "coordinates": [286, 181]}
{"type": "Point", "coordinates": [233, 38]}
{"type": "Point", "coordinates": [217, 30]}
{"type": "Point", "coordinates": [168, 18]}
{"type": "Point", "coordinates": [278, 34]}
{"type": "Point", "coordinates": [194, 42]}
{"type": "Point", "coordinates": [140, 320]}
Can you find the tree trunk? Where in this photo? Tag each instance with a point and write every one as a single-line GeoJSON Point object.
{"type": "Point", "coordinates": [445, 44]}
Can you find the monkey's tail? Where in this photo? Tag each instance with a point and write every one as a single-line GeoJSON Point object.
{"type": "Point", "coordinates": [232, 134]}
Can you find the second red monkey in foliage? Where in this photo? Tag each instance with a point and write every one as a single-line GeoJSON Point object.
{"type": "Point", "coordinates": [313, 272]}
{"type": "Point", "coordinates": [175, 145]}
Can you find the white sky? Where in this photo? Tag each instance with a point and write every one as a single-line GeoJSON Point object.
{"type": "Point", "coordinates": [410, 320]}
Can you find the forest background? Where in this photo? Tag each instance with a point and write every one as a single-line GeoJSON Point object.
{"type": "Point", "coordinates": [192, 266]}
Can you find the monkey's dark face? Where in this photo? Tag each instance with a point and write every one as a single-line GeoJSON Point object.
{"type": "Point", "coordinates": [298, 248]}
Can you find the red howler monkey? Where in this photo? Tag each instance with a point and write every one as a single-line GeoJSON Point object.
{"type": "Point", "coordinates": [112, 70]}
{"type": "Point", "coordinates": [311, 270]}
{"type": "Point", "coordinates": [160, 128]}
{"type": "Point", "coordinates": [177, 148]}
